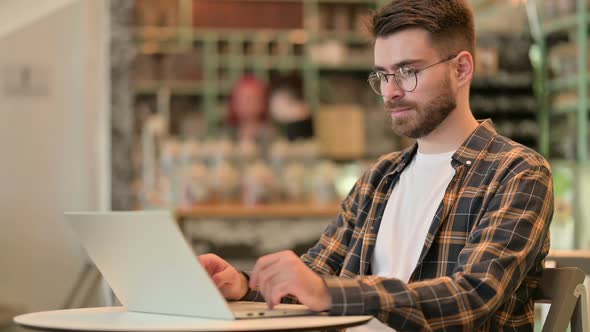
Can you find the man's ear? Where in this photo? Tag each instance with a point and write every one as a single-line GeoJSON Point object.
{"type": "Point", "coordinates": [464, 68]}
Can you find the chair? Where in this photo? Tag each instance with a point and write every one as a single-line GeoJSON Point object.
{"type": "Point", "coordinates": [564, 289]}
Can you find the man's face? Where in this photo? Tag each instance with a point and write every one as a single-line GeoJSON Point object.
{"type": "Point", "coordinates": [415, 114]}
{"type": "Point", "coordinates": [249, 101]}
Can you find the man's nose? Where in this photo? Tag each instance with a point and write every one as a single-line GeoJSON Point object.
{"type": "Point", "coordinates": [391, 90]}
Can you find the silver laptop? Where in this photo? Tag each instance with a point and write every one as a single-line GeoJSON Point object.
{"type": "Point", "coordinates": [151, 268]}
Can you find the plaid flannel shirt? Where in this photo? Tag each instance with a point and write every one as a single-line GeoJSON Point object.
{"type": "Point", "coordinates": [482, 258]}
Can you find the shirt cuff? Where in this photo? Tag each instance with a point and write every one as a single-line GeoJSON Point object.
{"type": "Point", "coordinates": [255, 296]}
{"type": "Point", "coordinates": [251, 295]}
{"type": "Point", "coordinates": [346, 295]}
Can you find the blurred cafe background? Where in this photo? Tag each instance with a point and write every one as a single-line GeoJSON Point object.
{"type": "Point", "coordinates": [249, 119]}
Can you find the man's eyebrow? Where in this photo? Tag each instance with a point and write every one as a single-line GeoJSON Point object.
{"type": "Point", "coordinates": [399, 64]}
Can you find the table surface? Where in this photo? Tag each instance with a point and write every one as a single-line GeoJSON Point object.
{"type": "Point", "coordinates": [119, 319]}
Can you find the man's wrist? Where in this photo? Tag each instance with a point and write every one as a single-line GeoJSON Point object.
{"type": "Point", "coordinates": [325, 296]}
{"type": "Point", "coordinates": [245, 278]}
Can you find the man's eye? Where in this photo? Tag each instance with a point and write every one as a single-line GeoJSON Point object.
{"type": "Point", "coordinates": [406, 71]}
{"type": "Point", "coordinates": [382, 76]}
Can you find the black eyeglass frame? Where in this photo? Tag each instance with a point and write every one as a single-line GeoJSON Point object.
{"type": "Point", "coordinates": [415, 72]}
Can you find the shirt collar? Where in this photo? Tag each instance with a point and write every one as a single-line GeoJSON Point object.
{"type": "Point", "coordinates": [404, 158]}
{"type": "Point", "coordinates": [466, 154]}
{"type": "Point", "coordinates": [474, 145]}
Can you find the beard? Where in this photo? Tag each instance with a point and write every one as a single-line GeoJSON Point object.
{"type": "Point", "coordinates": [424, 118]}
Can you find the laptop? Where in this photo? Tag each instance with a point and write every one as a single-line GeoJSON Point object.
{"type": "Point", "coordinates": [151, 268]}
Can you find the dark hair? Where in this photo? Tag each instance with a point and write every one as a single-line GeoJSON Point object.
{"type": "Point", "coordinates": [292, 84]}
{"type": "Point", "coordinates": [449, 22]}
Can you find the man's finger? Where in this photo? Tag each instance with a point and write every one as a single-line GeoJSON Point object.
{"type": "Point", "coordinates": [268, 282]}
{"type": "Point", "coordinates": [219, 280]}
{"type": "Point", "coordinates": [267, 296]}
{"type": "Point", "coordinates": [203, 260]}
{"type": "Point", "coordinates": [279, 291]}
{"type": "Point", "coordinates": [266, 277]}
{"type": "Point", "coordinates": [227, 290]}
{"type": "Point", "coordinates": [261, 264]}
{"type": "Point", "coordinates": [272, 279]}
{"type": "Point", "coordinates": [223, 277]}
{"type": "Point", "coordinates": [211, 263]}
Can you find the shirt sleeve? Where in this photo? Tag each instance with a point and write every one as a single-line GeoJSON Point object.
{"type": "Point", "coordinates": [327, 256]}
{"type": "Point", "coordinates": [498, 255]}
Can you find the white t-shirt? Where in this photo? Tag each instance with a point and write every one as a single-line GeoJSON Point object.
{"type": "Point", "coordinates": [407, 218]}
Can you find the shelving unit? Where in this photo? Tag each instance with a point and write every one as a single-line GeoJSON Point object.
{"type": "Point", "coordinates": [227, 53]}
{"type": "Point", "coordinates": [543, 31]}
{"type": "Point", "coordinates": [222, 62]}
{"type": "Point", "coordinates": [557, 143]}
{"type": "Point", "coordinates": [279, 211]}
{"type": "Point", "coordinates": [195, 66]}
{"type": "Point", "coordinates": [502, 86]}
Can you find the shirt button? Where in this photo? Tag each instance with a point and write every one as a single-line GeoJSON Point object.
{"type": "Point", "coordinates": [468, 162]}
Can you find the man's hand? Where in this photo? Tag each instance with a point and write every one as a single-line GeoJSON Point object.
{"type": "Point", "coordinates": [283, 273]}
{"type": "Point", "coordinates": [231, 282]}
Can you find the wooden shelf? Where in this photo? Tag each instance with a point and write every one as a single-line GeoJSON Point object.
{"type": "Point", "coordinates": [345, 36]}
{"type": "Point", "coordinates": [345, 1]}
{"type": "Point", "coordinates": [563, 23]}
{"type": "Point", "coordinates": [503, 80]}
{"type": "Point", "coordinates": [362, 66]}
{"type": "Point", "coordinates": [188, 88]}
{"type": "Point", "coordinates": [571, 258]}
{"type": "Point", "coordinates": [239, 211]}
{"type": "Point", "coordinates": [565, 110]}
{"type": "Point", "coordinates": [567, 83]}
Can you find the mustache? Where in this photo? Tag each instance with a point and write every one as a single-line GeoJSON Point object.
{"type": "Point", "coordinates": [398, 104]}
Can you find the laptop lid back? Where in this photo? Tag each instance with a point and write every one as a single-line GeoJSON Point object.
{"type": "Point", "coordinates": [148, 264]}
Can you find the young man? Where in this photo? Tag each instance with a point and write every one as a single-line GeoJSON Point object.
{"type": "Point", "coordinates": [447, 235]}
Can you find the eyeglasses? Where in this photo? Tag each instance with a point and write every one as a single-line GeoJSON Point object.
{"type": "Point", "coordinates": [405, 78]}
